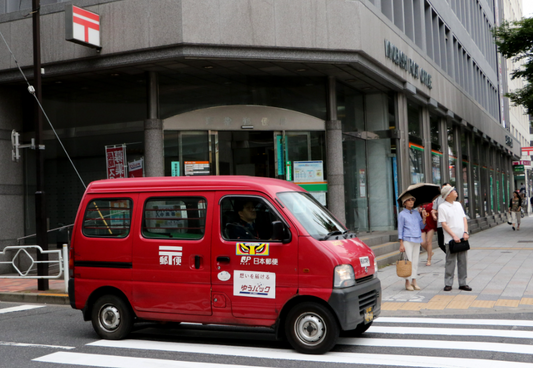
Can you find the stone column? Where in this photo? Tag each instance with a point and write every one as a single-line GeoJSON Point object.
{"type": "Point", "coordinates": [334, 157]}
{"type": "Point", "coordinates": [404, 168]}
{"type": "Point", "coordinates": [154, 160]}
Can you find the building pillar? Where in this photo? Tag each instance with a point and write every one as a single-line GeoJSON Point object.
{"type": "Point", "coordinates": [154, 160]}
{"type": "Point", "coordinates": [334, 157]}
{"type": "Point", "coordinates": [403, 147]}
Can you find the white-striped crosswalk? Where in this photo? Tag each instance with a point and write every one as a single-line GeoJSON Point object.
{"type": "Point", "coordinates": [510, 340]}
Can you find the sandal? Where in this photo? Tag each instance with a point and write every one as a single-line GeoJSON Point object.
{"type": "Point", "coordinates": [428, 263]}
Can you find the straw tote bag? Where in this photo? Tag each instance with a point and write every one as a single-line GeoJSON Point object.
{"type": "Point", "coordinates": [403, 266]}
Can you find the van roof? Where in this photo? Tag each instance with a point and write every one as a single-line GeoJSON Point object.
{"type": "Point", "coordinates": [182, 183]}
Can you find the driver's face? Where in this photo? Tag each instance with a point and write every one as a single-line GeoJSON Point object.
{"type": "Point", "coordinates": [248, 213]}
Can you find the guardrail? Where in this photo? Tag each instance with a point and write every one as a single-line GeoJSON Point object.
{"type": "Point", "coordinates": [62, 262]}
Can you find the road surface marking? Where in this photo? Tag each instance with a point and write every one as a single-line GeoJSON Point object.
{"type": "Point", "coordinates": [439, 344]}
{"type": "Point", "coordinates": [20, 308]}
{"type": "Point", "coordinates": [516, 334]}
{"type": "Point", "coordinates": [453, 321]}
{"type": "Point", "coordinates": [113, 361]}
{"type": "Point", "coordinates": [331, 357]}
{"type": "Point", "coordinates": [7, 343]}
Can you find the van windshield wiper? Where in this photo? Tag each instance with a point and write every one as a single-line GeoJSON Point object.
{"type": "Point", "coordinates": [333, 233]}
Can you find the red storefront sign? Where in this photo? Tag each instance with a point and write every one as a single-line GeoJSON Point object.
{"type": "Point", "coordinates": [528, 151]}
{"type": "Point", "coordinates": [116, 161]}
{"type": "Point", "coordinates": [82, 26]}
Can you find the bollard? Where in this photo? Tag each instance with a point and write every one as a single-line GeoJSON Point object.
{"type": "Point", "coordinates": [65, 266]}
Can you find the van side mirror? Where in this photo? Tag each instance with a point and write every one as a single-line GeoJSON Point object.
{"type": "Point", "coordinates": [279, 232]}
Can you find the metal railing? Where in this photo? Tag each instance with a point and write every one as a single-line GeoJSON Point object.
{"type": "Point", "coordinates": [21, 250]}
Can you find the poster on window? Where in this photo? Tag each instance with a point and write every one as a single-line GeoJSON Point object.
{"type": "Point", "coordinates": [116, 161]}
{"type": "Point", "coordinates": [308, 171]}
{"type": "Point", "coordinates": [362, 183]}
{"type": "Point", "coordinates": [194, 168]}
{"type": "Point", "coordinates": [136, 168]}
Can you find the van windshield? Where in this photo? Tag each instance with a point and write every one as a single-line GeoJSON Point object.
{"type": "Point", "coordinates": [316, 220]}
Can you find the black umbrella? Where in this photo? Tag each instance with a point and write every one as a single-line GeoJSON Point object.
{"type": "Point", "coordinates": [423, 192]}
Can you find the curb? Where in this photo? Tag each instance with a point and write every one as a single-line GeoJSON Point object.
{"type": "Point", "coordinates": [61, 299]}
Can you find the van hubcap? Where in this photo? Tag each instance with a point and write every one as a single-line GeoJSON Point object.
{"type": "Point", "coordinates": [109, 317]}
{"type": "Point", "coordinates": [310, 329]}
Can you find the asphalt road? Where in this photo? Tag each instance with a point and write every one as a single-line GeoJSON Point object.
{"type": "Point", "coordinates": [56, 336]}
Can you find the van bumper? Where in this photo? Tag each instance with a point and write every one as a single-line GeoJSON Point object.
{"type": "Point", "coordinates": [71, 293]}
{"type": "Point", "coordinates": [350, 303]}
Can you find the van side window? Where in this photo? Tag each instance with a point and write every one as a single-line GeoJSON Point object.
{"type": "Point", "coordinates": [174, 218]}
{"type": "Point", "coordinates": [108, 218]}
{"type": "Point", "coordinates": [246, 218]}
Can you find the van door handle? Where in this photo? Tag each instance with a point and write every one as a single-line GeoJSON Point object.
{"type": "Point", "coordinates": [197, 262]}
{"type": "Point", "coordinates": [223, 259]}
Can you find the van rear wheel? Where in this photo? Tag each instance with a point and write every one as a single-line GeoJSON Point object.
{"type": "Point", "coordinates": [311, 328]}
{"type": "Point", "coordinates": [112, 317]}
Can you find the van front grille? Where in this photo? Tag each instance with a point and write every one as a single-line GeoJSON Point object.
{"type": "Point", "coordinates": [364, 279]}
{"type": "Point", "coordinates": [368, 300]}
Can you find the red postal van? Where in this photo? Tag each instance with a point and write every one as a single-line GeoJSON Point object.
{"type": "Point", "coordinates": [229, 250]}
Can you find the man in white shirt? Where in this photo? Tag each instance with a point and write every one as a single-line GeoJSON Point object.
{"type": "Point", "coordinates": [453, 220]}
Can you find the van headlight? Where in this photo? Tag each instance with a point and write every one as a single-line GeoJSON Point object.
{"type": "Point", "coordinates": [344, 276]}
{"type": "Point", "coordinates": [375, 268]}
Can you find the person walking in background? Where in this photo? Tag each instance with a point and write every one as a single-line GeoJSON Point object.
{"type": "Point", "coordinates": [453, 220]}
{"type": "Point", "coordinates": [515, 209]}
{"type": "Point", "coordinates": [440, 232]}
{"type": "Point", "coordinates": [410, 224]}
{"type": "Point", "coordinates": [429, 231]}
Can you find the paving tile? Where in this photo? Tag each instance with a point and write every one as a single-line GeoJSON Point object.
{"type": "Point", "coordinates": [391, 306]}
{"type": "Point", "coordinates": [526, 301]}
{"type": "Point", "coordinates": [507, 303]}
{"type": "Point", "coordinates": [482, 304]}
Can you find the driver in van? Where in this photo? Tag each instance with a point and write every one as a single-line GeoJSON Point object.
{"type": "Point", "coordinates": [244, 227]}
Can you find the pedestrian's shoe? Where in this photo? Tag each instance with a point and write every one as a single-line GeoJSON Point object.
{"type": "Point", "coordinates": [409, 287]}
{"type": "Point", "coordinates": [448, 288]}
{"type": "Point", "coordinates": [465, 288]}
{"type": "Point", "coordinates": [514, 228]}
{"type": "Point", "coordinates": [416, 287]}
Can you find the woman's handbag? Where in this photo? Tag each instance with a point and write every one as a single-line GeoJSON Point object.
{"type": "Point", "coordinates": [403, 266]}
{"type": "Point", "coordinates": [462, 246]}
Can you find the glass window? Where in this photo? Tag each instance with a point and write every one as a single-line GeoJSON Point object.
{"type": "Point", "coordinates": [416, 150]}
{"type": "Point", "coordinates": [108, 218]}
{"type": "Point", "coordinates": [436, 151]}
{"type": "Point", "coordinates": [247, 218]}
{"type": "Point", "coordinates": [311, 215]}
{"type": "Point", "coordinates": [452, 155]}
{"type": "Point", "coordinates": [174, 218]}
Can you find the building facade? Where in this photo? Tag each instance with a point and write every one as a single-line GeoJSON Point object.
{"type": "Point", "coordinates": [369, 95]}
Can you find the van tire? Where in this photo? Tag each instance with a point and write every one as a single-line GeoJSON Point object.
{"type": "Point", "coordinates": [358, 331]}
{"type": "Point", "coordinates": [311, 328]}
{"type": "Point", "coordinates": [112, 317]}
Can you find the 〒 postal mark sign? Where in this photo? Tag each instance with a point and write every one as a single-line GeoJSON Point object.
{"type": "Point", "coordinates": [82, 26]}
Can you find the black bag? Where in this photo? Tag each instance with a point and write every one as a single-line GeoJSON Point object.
{"type": "Point", "coordinates": [462, 246]}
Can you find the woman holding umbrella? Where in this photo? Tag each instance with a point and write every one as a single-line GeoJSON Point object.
{"type": "Point", "coordinates": [410, 226]}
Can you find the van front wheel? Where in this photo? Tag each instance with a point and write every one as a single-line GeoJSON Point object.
{"type": "Point", "coordinates": [112, 318]}
{"type": "Point", "coordinates": [311, 328]}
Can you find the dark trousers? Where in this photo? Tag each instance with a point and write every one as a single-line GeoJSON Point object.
{"type": "Point", "coordinates": [440, 239]}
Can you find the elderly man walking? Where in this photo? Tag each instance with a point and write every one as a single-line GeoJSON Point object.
{"type": "Point", "coordinates": [453, 220]}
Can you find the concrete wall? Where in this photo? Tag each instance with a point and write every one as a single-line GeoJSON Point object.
{"type": "Point", "coordinates": [11, 174]}
{"type": "Point", "coordinates": [337, 31]}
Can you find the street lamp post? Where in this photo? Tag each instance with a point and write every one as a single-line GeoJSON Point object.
{"type": "Point", "coordinates": [40, 198]}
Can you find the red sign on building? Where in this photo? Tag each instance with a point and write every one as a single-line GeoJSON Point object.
{"type": "Point", "coordinates": [116, 162]}
{"type": "Point", "coordinates": [82, 26]}
{"type": "Point", "coordinates": [528, 151]}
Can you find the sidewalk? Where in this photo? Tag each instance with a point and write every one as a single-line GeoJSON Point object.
{"type": "Point", "coordinates": [25, 291]}
{"type": "Point", "coordinates": [500, 272]}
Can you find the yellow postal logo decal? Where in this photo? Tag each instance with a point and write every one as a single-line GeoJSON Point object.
{"type": "Point", "coordinates": [252, 249]}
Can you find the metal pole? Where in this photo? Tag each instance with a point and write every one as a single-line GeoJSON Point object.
{"type": "Point", "coordinates": [40, 199]}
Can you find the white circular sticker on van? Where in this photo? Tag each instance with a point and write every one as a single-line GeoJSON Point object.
{"type": "Point", "coordinates": [224, 276]}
